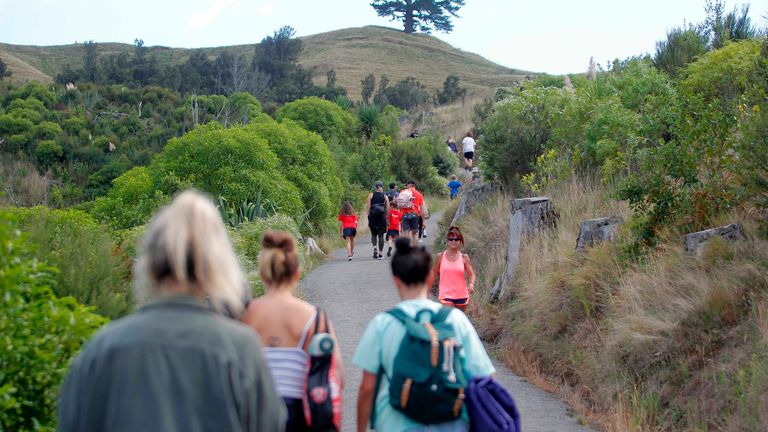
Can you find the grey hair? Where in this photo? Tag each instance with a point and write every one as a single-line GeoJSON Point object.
{"type": "Point", "coordinates": [187, 242]}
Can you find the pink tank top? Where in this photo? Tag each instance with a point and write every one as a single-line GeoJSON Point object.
{"type": "Point", "coordinates": [453, 284]}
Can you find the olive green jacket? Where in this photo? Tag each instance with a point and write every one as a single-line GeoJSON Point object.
{"type": "Point", "coordinates": [174, 365]}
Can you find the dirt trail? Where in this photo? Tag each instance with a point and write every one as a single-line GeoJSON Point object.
{"type": "Point", "coordinates": [352, 292]}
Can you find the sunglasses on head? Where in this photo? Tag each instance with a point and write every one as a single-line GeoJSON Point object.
{"type": "Point", "coordinates": [454, 239]}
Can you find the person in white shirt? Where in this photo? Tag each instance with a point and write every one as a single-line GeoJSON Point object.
{"type": "Point", "coordinates": [468, 145]}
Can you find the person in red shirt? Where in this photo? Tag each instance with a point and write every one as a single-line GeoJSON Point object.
{"type": "Point", "coordinates": [393, 231]}
{"type": "Point", "coordinates": [348, 220]}
{"type": "Point", "coordinates": [411, 215]}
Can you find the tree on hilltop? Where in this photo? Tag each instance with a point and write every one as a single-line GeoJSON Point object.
{"type": "Point", "coordinates": [427, 15]}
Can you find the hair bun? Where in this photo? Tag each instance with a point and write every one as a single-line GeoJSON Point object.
{"type": "Point", "coordinates": [278, 240]}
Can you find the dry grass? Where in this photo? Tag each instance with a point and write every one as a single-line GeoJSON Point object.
{"type": "Point", "coordinates": [664, 342]}
{"type": "Point", "coordinates": [22, 185]}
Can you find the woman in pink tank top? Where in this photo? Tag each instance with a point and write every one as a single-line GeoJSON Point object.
{"type": "Point", "coordinates": [454, 268]}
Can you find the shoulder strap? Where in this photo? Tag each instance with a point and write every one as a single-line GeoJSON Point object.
{"type": "Point", "coordinates": [314, 317]}
{"type": "Point", "coordinates": [399, 315]}
{"type": "Point", "coordinates": [441, 315]}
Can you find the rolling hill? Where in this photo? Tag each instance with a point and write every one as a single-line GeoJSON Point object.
{"type": "Point", "coordinates": [353, 53]}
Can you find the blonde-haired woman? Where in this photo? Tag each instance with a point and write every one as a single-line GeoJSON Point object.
{"type": "Point", "coordinates": [176, 364]}
{"type": "Point", "coordinates": [286, 323]}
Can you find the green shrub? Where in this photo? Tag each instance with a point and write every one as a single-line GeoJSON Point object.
{"type": "Point", "coordinates": [236, 163]}
{"type": "Point", "coordinates": [48, 152]}
{"type": "Point", "coordinates": [307, 162]}
{"type": "Point", "coordinates": [324, 117]}
{"type": "Point", "coordinates": [40, 334]}
{"type": "Point", "coordinates": [412, 160]}
{"type": "Point", "coordinates": [131, 201]}
{"type": "Point", "coordinates": [12, 125]}
{"type": "Point", "coordinates": [246, 239]}
{"type": "Point", "coordinates": [90, 268]}
{"type": "Point", "coordinates": [516, 132]}
{"type": "Point", "coordinates": [370, 164]}
{"type": "Point", "coordinates": [47, 130]}
{"type": "Point", "coordinates": [244, 107]}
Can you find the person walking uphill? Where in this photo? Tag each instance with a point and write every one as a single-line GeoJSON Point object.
{"type": "Point", "coordinates": [285, 325]}
{"type": "Point", "coordinates": [454, 268]}
{"type": "Point", "coordinates": [177, 363]}
{"type": "Point", "coordinates": [348, 220]}
{"type": "Point", "coordinates": [388, 390]}
{"type": "Point", "coordinates": [468, 147]}
{"type": "Point", "coordinates": [378, 212]}
{"type": "Point", "coordinates": [411, 203]}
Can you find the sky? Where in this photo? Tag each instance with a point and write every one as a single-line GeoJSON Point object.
{"type": "Point", "coordinates": [552, 36]}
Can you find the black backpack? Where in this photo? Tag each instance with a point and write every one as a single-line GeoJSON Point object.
{"type": "Point", "coordinates": [391, 194]}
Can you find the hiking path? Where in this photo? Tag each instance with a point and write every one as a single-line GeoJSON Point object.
{"type": "Point", "coordinates": [353, 292]}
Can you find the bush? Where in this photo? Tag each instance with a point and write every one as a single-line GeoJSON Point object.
{"type": "Point", "coordinates": [320, 116]}
{"type": "Point", "coordinates": [517, 130]}
{"type": "Point", "coordinates": [47, 130]}
{"type": "Point", "coordinates": [371, 164]}
{"type": "Point", "coordinates": [40, 335]}
{"type": "Point", "coordinates": [407, 94]}
{"type": "Point", "coordinates": [412, 160]}
{"type": "Point", "coordinates": [131, 201]}
{"type": "Point", "coordinates": [89, 267]}
{"type": "Point", "coordinates": [12, 125]}
{"type": "Point", "coordinates": [236, 163]}
{"type": "Point", "coordinates": [247, 243]}
{"type": "Point", "coordinates": [307, 162]}
{"type": "Point", "coordinates": [48, 152]}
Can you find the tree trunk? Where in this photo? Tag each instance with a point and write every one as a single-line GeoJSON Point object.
{"type": "Point", "coordinates": [409, 17]}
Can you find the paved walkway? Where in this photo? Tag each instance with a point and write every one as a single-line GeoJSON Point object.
{"type": "Point", "coordinates": [352, 292]}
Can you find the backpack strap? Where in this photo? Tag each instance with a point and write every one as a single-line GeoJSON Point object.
{"type": "Point", "coordinates": [441, 315]}
{"type": "Point", "coordinates": [399, 315]}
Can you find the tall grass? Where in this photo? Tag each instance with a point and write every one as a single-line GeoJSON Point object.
{"type": "Point", "coordinates": [664, 341]}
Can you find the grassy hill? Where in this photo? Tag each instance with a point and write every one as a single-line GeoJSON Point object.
{"type": "Point", "coordinates": [353, 53]}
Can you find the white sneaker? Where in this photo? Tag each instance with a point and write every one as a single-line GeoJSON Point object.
{"type": "Point", "coordinates": [421, 241]}
{"type": "Point", "coordinates": [349, 257]}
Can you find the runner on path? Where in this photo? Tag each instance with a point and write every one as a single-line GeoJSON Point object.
{"type": "Point", "coordinates": [348, 220]}
{"type": "Point", "coordinates": [393, 231]}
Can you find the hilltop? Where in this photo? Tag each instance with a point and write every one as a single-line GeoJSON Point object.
{"type": "Point", "coordinates": [353, 53]}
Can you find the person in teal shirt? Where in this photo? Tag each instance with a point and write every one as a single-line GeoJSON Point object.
{"type": "Point", "coordinates": [381, 341]}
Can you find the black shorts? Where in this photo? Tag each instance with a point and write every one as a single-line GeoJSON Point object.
{"type": "Point", "coordinates": [460, 301]}
{"type": "Point", "coordinates": [469, 155]}
{"type": "Point", "coordinates": [410, 222]}
{"type": "Point", "coordinates": [393, 234]}
{"type": "Point", "coordinates": [349, 232]}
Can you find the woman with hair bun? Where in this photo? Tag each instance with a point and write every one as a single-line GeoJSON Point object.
{"type": "Point", "coordinates": [382, 339]}
{"type": "Point", "coordinates": [176, 364]}
{"type": "Point", "coordinates": [286, 323]}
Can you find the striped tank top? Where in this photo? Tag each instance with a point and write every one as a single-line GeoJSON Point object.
{"type": "Point", "coordinates": [288, 366]}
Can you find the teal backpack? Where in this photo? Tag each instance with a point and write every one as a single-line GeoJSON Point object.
{"type": "Point", "coordinates": [427, 383]}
